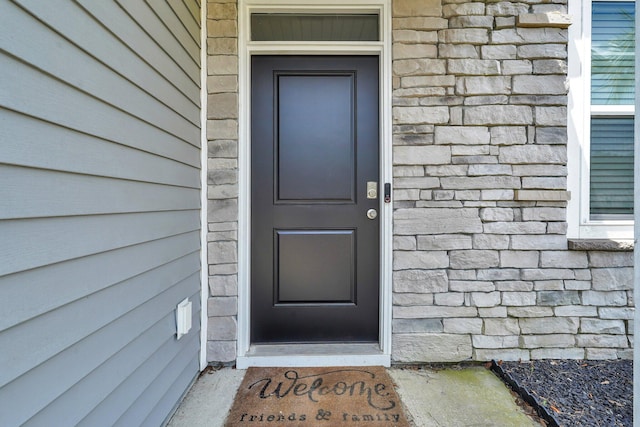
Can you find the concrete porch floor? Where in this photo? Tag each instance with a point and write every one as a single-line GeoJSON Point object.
{"type": "Point", "coordinates": [461, 397]}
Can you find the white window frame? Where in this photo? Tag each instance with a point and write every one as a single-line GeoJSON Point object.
{"type": "Point", "coordinates": [580, 226]}
{"type": "Point", "coordinates": [339, 355]}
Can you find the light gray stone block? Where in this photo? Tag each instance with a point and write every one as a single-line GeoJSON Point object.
{"type": "Point", "coordinates": [412, 67]}
{"type": "Point", "coordinates": [406, 51]}
{"type": "Point", "coordinates": [463, 9]}
{"type": "Point", "coordinates": [416, 22]}
{"type": "Point", "coordinates": [544, 214]}
{"type": "Point", "coordinates": [557, 325]}
{"type": "Point", "coordinates": [555, 298]}
{"type": "Point", "coordinates": [476, 36]}
{"type": "Point", "coordinates": [498, 274]}
{"type": "Point", "coordinates": [498, 52]}
{"type": "Point", "coordinates": [222, 64]}
{"type": "Point", "coordinates": [602, 354]}
{"type": "Point", "coordinates": [499, 115]}
{"type": "Point", "coordinates": [222, 328]}
{"type": "Point", "coordinates": [223, 285]}
{"type": "Point", "coordinates": [543, 51]}
{"type": "Point", "coordinates": [612, 299]}
{"type": "Point", "coordinates": [471, 22]}
{"type": "Point", "coordinates": [431, 312]}
{"type": "Point", "coordinates": [412, 8]}
{"type": "Point", "coordinates": [490, 85]}
{"type": "Point", "coordinates": [436, 221]}
{"type": "Point", "coordinates": [605, 341]}
{"type": "Point", "coordinates": [575, 311]}
{"type": "Point", "coordinates": [458, 51]}
{"type": "Point", "coordinates": [444, 242]}
{"type": "Point", "coordinates": [538, 242]}
{"type": "Point", "coordinates": [222, 252]}
{"type": "Point", "coordinates": [420, 281]}
{"type": "Point", "coordinates": [516, 66]}
{"type": "Point", "coordinates": [406, 300]}
{"type": "Point", "coordinates": [606, 327]}
{"type": "Point", "coordinates": [610, 259]}
{"type": "Point", "coordinates": [462, 326]}
{"type": "Point", "coordinates": [490, 241]}
{"type": "Point", "coordinates": [496, 214]}
{"type": "Point", "coordinates": [501, 327]}
{"type": "Point", "coordinates": [514, 286]}
{"type": "Point", "coordinates": [479, 182]}
{"type": "Point", "coordinates": [563, 259]}
{"type": "Point", "coordinates": [625, 313]}
{"type": "Point", "coordinates": [491, 312]}
{"type": "Point", "coordinates": [518, 298]}
{"type": "Point", "coordinates": [612, 279]}
{"type": "Point", "coordinates": [519, 259]}
{"type": "Point", "coordinates": [404, 243]}
{"type": "Point", "coordinates": [517, 228]}
{"type": "Point", "coordinates": [547, 274]}
{"type": "Point", "coordinates": [420, 260]}
{"type": "Point", "coordinates": [221, 351]}
{"type": "Point", "coordinates": [222, 306]}
{"type": "Point", "coordinates": [431, 348]}
{"type": "Point", "coordinates": [484, 341]}
{"type": "Point", "coordinates": [558, 353]}
{"type": "Point", "coordinates": [485, 299]}
{"type": "Point", "coordinates": [470, 259]}
{"type": "Point", "coordinates": [493, 170]}
{"type": "Point", "coordinates": [401, 326]}
{"type": "Point", "coordinates": [413, 36]}
{"type": "Point", "coordinates": [471, 286]}
{"type": "Point", "coordinates": [222, 129]}
{"type": "Point", "coordinates": [466, 135]}
{"type": "Point", "coordinates": [549, 285]}
{"type": "Point", "coordinates": [552, 340]}
{"type": "Point", "coordinates": [419, 115]}
{"type": "Point", "coordinates": [559, 183]}
{"type": "Point", "coordinates": [505, 8]}
{"type": "Point", "coordinates": [421, 155]}
{"type": "Point", "coordinates": [530, 311]}
{"type": "Point", "coordinates": [450, 299]}
{"type": "Point", "coordinates": [508, 354]}
{"type": "Point", "coordinates": [526, 154]}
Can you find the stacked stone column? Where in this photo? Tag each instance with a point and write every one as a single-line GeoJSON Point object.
{"type": "Point", "coordinates": [222, 179]}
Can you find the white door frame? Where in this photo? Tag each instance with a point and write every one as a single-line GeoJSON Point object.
{"type": "Point", "coordinates": [312, 355]}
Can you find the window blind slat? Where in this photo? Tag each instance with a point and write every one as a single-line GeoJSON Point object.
{"type": "Point", "coordinates": [612, 53]}
{"type": "Point", "coordinates": [314, 27]}
{"type": "Point", "coordinates": [611, 181]}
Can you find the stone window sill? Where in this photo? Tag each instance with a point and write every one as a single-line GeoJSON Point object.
{"type": "Point", "coordinates": [601, 245]}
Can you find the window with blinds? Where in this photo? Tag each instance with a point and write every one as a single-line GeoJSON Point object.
{"type": "Point", "coordinates": [612, 100]}
{"type": "Point", "coordinates": [314, 27]}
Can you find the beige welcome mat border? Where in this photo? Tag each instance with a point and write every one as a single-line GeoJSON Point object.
{"type": "Point", "coordinates": [332, 397]}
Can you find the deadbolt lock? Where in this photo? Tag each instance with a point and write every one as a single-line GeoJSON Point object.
{"type": "Point", "coordinates": [372, 190]}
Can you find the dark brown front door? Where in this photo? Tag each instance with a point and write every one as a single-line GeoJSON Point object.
{"type": "Point", "coordinates": [314, 147]}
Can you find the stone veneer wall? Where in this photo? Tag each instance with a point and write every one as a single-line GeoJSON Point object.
{"type": "Point", "coordinates": [482, 268]}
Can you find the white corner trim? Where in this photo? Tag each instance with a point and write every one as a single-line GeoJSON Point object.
{"type": "Point", "coordinates": [204, 263]}
{"type": "Point", "coordinates": [246, 48]}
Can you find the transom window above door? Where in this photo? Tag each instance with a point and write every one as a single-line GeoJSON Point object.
{"type": "Point", "coordinates": [314, 27]}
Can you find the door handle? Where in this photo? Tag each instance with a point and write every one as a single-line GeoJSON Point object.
{"type": "Point", "coordinates": [372, 214]}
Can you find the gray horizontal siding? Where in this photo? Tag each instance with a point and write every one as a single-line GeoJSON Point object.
{"type": "Point", "coordinates": [100, 211]}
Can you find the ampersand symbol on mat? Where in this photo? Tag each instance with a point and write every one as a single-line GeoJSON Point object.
{"type": "Point", "coordinates": [323, 415]}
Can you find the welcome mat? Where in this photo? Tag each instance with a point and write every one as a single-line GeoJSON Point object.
{"type": "Point", "coordinates": [331, 397]}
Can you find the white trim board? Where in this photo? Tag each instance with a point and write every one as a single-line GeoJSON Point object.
{"type": "Point", "coordinates": [323, 355]}
{"type": "Point", "coordinates": [204, 224]}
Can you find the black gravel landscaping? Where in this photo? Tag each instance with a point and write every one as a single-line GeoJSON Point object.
{"type": "Point", "coordinates": [575, 392]}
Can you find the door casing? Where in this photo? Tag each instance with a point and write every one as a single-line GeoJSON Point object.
{"type": "Point", "coordinates": [318, 355]}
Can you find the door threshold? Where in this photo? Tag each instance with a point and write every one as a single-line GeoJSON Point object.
{"type": "Point", "coordinates": [309, 355]}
